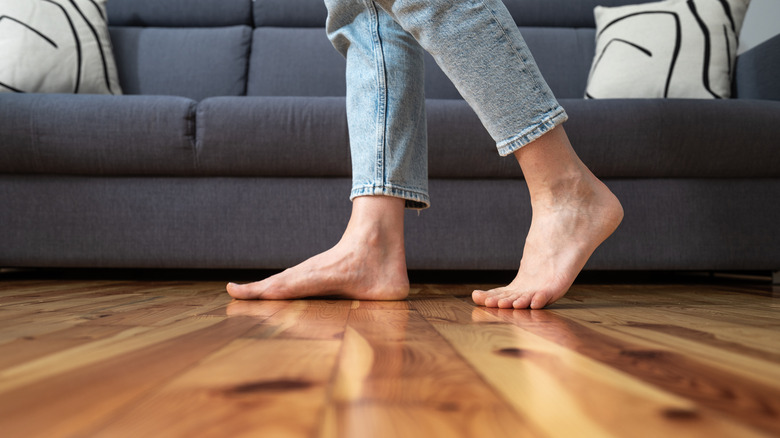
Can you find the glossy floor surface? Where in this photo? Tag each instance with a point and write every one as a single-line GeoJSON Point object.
{"type": "Point", "coordinates": [108, 358]}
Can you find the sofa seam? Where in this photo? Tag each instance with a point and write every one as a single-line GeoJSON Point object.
{"type": "Point", "coordinates": [192, 126]}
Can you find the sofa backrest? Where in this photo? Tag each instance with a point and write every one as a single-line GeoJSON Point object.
{"type": "Point", "coordinates": [190, 48]}
{"type": "Point", "coordinates": [204, 48]}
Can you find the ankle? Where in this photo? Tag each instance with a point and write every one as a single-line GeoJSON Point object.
{"type": "Point", "coordinates": [371, 214]}
{"type": "Point", "coordinates": [376, 221]}
{"type": "Point", "coordinates": [377, 209]}
{"type": "Point", "coordinates": [561, 187]}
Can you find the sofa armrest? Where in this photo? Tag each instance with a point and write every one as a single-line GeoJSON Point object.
{"type": "Point", "coordinates": [757, 71]}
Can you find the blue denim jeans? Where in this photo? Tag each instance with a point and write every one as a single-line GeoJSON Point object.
{"type": "Point", "coordinates": [475, 42]}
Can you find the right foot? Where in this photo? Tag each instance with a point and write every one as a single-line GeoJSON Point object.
{"type": "Point", "coordinates": [369, 263]}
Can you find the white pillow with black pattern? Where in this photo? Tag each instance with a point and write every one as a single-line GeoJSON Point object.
{"type": "Point", "coordinates": [56, 46]}
{"type": "Point", "coordinates": [666, 49]}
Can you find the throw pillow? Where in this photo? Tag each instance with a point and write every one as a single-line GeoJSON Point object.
{"type": "Point", "coordinates": [666, 49]}
{"type": "Point", "coordinates": [56, 46]}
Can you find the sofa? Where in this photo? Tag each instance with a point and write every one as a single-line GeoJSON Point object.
{"type": "Point", "coordinates": [228, 149]}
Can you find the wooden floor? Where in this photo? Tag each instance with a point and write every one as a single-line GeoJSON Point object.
{"type": "Point", "coordinates": [114, 358]}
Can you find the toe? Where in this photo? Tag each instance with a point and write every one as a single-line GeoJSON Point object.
{"type": "Point", "coordinates": [478, 296]}
{"type": "Point", "coordinates": [234, 290]}
{"type": "Point", "coordinates": [540, 300]}
{"type": "Point", "coordinates": [243, 291]}
{"type": "Point", "coordinates": [523, 302]}
{"type": "Point", "coordinates": [500, 297]}
{"type": "Point", "coordinates": [494, 297]}
{"type": "Point", "coordinates": [491, 301]}
{"type": "Point", "coordinates": [506, 302]}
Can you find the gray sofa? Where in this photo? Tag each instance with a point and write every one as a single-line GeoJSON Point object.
{"type": "Point", "coordinates": [229, 149]}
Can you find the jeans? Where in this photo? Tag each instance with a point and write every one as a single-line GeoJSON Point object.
{"type": "Point", "coordinates": [477, 45]}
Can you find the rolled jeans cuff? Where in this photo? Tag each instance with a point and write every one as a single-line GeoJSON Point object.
{"type": "Point", "coordinates": [549, 121]}
{"type": "Point", "coordinates": [415, 199]}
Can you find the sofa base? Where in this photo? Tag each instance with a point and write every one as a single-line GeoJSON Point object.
{"type": "Point", "coordinates": [273, 223]}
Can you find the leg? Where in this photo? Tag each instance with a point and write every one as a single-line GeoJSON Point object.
{"type": "Point", "coordinates": [387, 127]}
{"type": "Point", "coordinates": [477, 44]}
{"type": "Point", "coordinates": [385, 102]}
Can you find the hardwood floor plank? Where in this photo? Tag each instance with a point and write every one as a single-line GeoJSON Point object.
{"type": "Point", "coordinates": [302, 319]}
{"type": "Point", "coordinates": [252, 387]}
{"type": "Point", "coordinates": [755, 341]}
{"type": "Point", "coordinates": [64, 308]}
{"type": "Point", "coordinates": [390, 356]}
{"type": "Point", "coordinates": [78, 398]}
{"type": "Point", "coordinates": [73, 308]}
{"type": "Point", "coordinates": [394, 367]}
{"type": "Point", "coordinates": [279, 368]}
{"type": "Point", "coordinates": [703, 347]}
{"type": "Point", "coordinates": [16, 291]}
{"type": "Point", "coordinates": [676, 372]}
{"type": "Point", "coordinates": [181, 358]}
{"type": "Point", "coordinates": [382, 420]}
{"type": "Point", "coordinates": [28, 349]}
{"type": "Point", "coordinates": [724, 305]}
{"type": "Point", "coordinates": [125, 342]}
{"type": "Point", "coordinates": [153, 314]}
{"type": "Point", "coordinates": [563, 392]}
{"type": "Point", "coordinates": [145, 306]}
{"type": "Point", "coordinates": [47, 339]}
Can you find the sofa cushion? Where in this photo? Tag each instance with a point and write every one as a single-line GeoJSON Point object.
{"type": "Point", "coordinates": [296, 136]}
{"type": "Point", "coordinates": [179, 13]}
{"type": "Point", "coordinates": [282, 63]}
{"type": "Point", "coordinates": [96, 134]}
{"type": "Point", "coordinates": [559, 13]}
{"type": "Point", "coordinates": [676, 138]}
{"type": "Point", "coordinates": [626, 138]}
{"type": "Point", "coordinates": [189, 62]}
{"type": "Point", "coordinates": [308, 137]}
{"type": "Point", "coordinates": [273, 136]}
{"type": "Point", "coordinates": [282, 60]}
{"type": "Point", "coordinates": [295, 62]}
{"type": "Point", "coordinates": [667, 49]}
{"type": "Point", "coordinates": [286, 13]}
{"type": "Point", "coordinates": [56, 47]}
{"type": "Point", "coordinates": [542, 13]}
{"type": "Point", "coordinates": [277, 222]}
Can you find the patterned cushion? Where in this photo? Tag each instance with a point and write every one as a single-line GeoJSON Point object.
{"type": "Point", "coordinates": [672, 48]}
{"type": "Point", "coordinates": [56, 46]}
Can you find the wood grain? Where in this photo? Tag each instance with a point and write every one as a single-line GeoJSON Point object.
{"type": "Point", "coordinates": [84, 358]}
{"type": "Point", "coordinates": [563, 392]}
{"type": "Point", "coordinates": [396, 370]}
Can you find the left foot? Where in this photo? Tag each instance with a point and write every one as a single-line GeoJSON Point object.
{"type": "Point", "coordinates": [565, 230]}
{"type": "Point", "coordinates": [573, 212]}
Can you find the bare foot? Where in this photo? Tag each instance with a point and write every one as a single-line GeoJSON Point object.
{"type": "Point", "coordinates": [562, 237]}
{"type": "Point", "coordinates": [573, 213]}
{"type": "Point", "coordinates": [368, 263]}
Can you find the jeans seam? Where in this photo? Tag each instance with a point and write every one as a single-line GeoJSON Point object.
{"type": "Point", "coordinates": [381, 83]}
